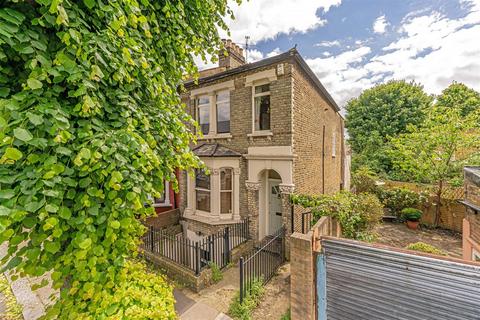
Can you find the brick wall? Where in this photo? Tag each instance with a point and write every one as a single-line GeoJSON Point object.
{"type": "Point", "coordinates": [313, 147]}
{"type": "Point", "coordinates": [164, 219]}
{"type": "Point", "coordinates": [303, 255]}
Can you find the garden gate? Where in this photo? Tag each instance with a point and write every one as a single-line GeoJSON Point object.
{"type": "Point", "coordinates": [357, 281]}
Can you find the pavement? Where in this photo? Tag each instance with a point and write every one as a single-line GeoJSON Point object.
{"type": "Point", "coordinates": [189, 309]}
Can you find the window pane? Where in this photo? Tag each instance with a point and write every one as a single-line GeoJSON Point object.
{"type": "Point", "coordinates": [223, 117]}
{"type": "Point", "coordinates": [223, 96]}
{"type": "Point", "coordinates": [203, 200]}
{"type": "Point", "coordinates": [226, 179]}
{"type": "Point", "coordinates": [262, 113]}
{"type": "Point", "coordinates": [262, 88]}
{"type": "Point", "coordinates": [226, 202]}
{"type": "Point", "coordinates": [202, 180]}
{"type": "Point", "coordinates": [204, 118]}
{"type": "Point", "coordinates": [203, 100]}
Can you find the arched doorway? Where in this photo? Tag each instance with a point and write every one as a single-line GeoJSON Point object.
{"type": "Point", "coordinates": [270, 202]}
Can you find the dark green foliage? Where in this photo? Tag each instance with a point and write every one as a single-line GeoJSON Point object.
{"type": "Point", "coordinates": [458, 95]}
{"type": "Point", "coordinates": [91, 124]}
{"type": "Point", "coordinates": [382, 111]}
{"type": "Point", "coordinates": [411, 214]}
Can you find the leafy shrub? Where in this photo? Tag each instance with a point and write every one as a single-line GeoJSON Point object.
{"type": "Point", "coordinates": [411, 214]}
{"type": "Point", "coordinates": [12, 310]}
{"type": "Point", "coordinates": [243, 311]}
{"type": "Point", "coordinates": [364, 180]}
{"type": "Point", "coordinates": [217, 274]}
{"type": "Point", "coordinates": [397, 199]}
{"type": "Point", "coordinates": [425, 247]}
{"type": "Point", "coordinates": [138, 294]}
{"type": "Point", "coordinates": [358, 214]}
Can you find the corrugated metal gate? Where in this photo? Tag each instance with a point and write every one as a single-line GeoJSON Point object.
{"type": "Point", "coordinates": [366, 282]}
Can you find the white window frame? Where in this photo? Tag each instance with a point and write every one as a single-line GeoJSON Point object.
{"type": "Point", "coordinates": [166, 201]}
{"type": "Point", "coordinates": [255, 95]}
{"type": "Point", "coordinates": [204, 105]}
{"type": "Point", "coordinates": [204, 190]}
{"type": "Point", "coordinates": [217, 93]}
{"type": "Point", "coordinates": [220, 191]}
{"type": "Point", "coordinates": [211, 92]}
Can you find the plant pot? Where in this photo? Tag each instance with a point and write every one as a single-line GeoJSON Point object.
{"type": "Point", "coordinates": [412, 224]}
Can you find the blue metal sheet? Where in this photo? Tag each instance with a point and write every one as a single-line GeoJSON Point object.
{"type": "Point", "coordinates": [321, 288]}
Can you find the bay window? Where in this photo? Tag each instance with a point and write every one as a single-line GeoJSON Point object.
{"type": "Point", "coordinates": [202, 190]}
{"type": "Point", "coordinates": [261, 98]}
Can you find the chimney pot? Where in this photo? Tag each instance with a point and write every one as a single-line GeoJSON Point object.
{"type": "Point", "coordinates": [235, 56]}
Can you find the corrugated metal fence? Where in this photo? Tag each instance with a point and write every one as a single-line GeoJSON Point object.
{"type": "Point", "coordinates": [366, 282]}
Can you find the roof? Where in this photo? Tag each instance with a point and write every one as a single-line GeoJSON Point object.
{"type": "Point", "coordinates": [214, 150]}
{"type": "Point", "coordinates": [290, 54]}
{"type": "Point", "coordinates": [473, 174]}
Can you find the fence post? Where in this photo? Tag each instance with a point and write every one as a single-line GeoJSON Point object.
{"type": "Point", "coordinates": [211, 256]}
{"type": "Point", "coordinates": [242, 292]}
{"type": "Point", "coordinates": [303, 222]}
{"type": "Point", "coordinates": [152, 246]}
{"type": "Point", "coordinates": [197, 258]}
{"type": "Point", "coordinates": [226, 245]}
{"type": "Point", "coordinates": [292, 215]}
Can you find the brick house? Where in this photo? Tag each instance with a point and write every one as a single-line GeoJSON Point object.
{"type": "Point", "coordinates": [471, 223]}
{"type": "Point", "coordinates": [269, 128]}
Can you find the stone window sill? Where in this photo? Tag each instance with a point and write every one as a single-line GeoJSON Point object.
{"type": "Point", "coordinates": [213, 220]}
{"type": "Point", "coordinates": [260, 134]}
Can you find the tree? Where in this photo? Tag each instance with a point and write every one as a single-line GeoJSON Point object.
{"type": "Point", "coordinates": [458, 95]}
{"type": "Point", "coordinates": [91, 124]}
{"type": "Point", "coordinates": [382, 111]}
{"type": "Point", "coordinates": [436, 151]}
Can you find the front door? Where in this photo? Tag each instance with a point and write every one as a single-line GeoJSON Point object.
{"type": "Point", "coordinates": [274, 206]}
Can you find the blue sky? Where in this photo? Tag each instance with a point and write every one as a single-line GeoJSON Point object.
{"type": "Point", "coordinates": [354, 44]}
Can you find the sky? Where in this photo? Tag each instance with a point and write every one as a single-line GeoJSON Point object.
{"type": "Point", "coordinates": [352, 45]}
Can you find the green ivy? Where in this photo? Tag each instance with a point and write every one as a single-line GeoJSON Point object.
{"type": "Point", "coordinates": [91, 124]}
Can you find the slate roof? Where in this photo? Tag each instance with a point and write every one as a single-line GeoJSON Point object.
{"type": "Point", "coordinates": [214, 150]}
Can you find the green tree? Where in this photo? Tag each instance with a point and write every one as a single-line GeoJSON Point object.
{"type": "Point", "coordinates": [382, 111]}
{"type": "Point", "coordinates": [436, 151]}
{"type": "Point", "coordinates": [91, 124]}
{"type": "Point", "coordinates": [458, 95]}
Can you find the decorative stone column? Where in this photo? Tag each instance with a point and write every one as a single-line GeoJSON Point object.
{"type": "Point", "coordinates": [286, 190]}
{"type": "Point", "coordinates": [252, 202]}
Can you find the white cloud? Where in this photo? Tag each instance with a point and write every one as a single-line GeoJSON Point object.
{"type": "Point", "coordinates": [266, 19]}
{"type": "Point", "coordinates": [326, 54]}
{"type": "Point", "coordinates": [327, 44]}
{"type": "Point", "coordinates": [431, 49]}
{"type": "Point", "coordinates": [380, 25]}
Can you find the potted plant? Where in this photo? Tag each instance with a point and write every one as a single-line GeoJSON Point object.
{"type": "Point", "coordinates": [412, 216]}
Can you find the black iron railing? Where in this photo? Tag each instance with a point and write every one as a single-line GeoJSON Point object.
{"type": "Point", "coordinates": [263, 262]}
{"type": "Point", "coordinates": [196, 255]}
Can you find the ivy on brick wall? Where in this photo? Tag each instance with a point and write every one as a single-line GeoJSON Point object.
{"type": "Point", "coordinates": [90, 125]}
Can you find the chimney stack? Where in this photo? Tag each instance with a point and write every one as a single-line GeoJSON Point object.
{"type": "Point", "coordinates": [234, 58]}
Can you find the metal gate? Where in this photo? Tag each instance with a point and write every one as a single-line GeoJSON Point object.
{"type": "Point", "coordinates": [357, 281]}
